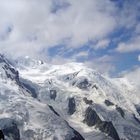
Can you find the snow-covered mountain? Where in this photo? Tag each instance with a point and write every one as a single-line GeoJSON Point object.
{"type": "Point", "coordinates": [39, 101]}
{"type": "Point", "coordinates": [23, 117]}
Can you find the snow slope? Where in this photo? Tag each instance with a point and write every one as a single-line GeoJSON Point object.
{"type": "Point", "coordinates": [23, 117]}
{"type": "Point", "coordinates": [39, 101]}
{"type": "Point", "coordinates": [98, 107]}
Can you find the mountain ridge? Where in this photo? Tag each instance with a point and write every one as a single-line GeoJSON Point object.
{"type": "Point", "coordinates": [24, 117]}
{"type": "Point", "coordinates": [95, 106]}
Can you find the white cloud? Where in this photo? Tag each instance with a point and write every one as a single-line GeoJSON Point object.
{"type": "Point", "coordinates": [102, 64]}
{"type": "Point", "coordinates": [81, 54]}
{"type": "Point", "coordinates": [134, 77]}
{"type": "Point", "coordinates": [132, 45]}
{"type": "Point", "coordinates": [103, 68]}
{"type": "Point", "coordinates": [75, 22]}
{"type": "Point", "coordinates": [34, 20]}
{"type": "Point", "coordinates": [102, 44]}
{"type": "Point", "coordinates": [105, 58]}
{"type": "Point", "coordinates": [139, 57]}
{"type": "Point", "coordinates": [58, 60]}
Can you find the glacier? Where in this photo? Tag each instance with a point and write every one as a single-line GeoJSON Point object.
{"type": "Point", "coordinates": [41, 101]}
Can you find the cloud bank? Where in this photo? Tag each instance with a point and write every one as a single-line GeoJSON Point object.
{"type": "Point", "coordinates": [33, 27]}
{"type": "Point", "coordinates": [30, 26]}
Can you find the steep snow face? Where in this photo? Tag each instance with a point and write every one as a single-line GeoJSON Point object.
{"type": "Point", "coordinates": [7, 71]}
{"type": "Point", "coordinates": [23, 117]}
{"type": "Point", "coordinates": [96, 106]}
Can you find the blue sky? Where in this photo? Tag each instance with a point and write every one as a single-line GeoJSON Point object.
{"type": "Point", "coordinates": [103, 34]}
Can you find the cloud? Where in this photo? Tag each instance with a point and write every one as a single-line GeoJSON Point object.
{"type": "Point", "coordinates": [103, 64]}
{"type": "Point", "coordinates": [139, 57]}
{"type": "Point", "coordinates": [130, 46]}
{"type": "Point", "coordinates": [58, 60]}
{"type": "Point", "coordinates": [105, 58]}
{"type": "Point", "coordinates": [42, 24]}
{"type": "Point", "coordinates": [130, 20]}
{"type": "Point", "coordinates": [82, 54]}
{"type": "Point", "coordinates": [59, 5]}
{"type": "Point", "coordinates": [33, 27]}
{"type": "Point", "coordinates": [102, 44]}
{"type": "Point", "coordinates": [133, 76]}
{"type": "Point", "coordinates": [103, 68]}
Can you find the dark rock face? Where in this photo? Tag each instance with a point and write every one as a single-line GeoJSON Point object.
{"type": "Point", "coordinates": [53, 94]}
{"type": "Point", "coordinates": [1, 58]}
{"type": "Point", "coordinates": [84, 84]}
{"type": "Point", "coordinates": [92, 119]}
{"type": "Point", "coordinates": [30, 89]}
{"type": "Point", "coordinates": [1, 135]}
{"type": "Point", "coordinates": [15, 74]}
{"type": "Point", "coordinates": [77, 135]}
{"type": "Point", "coordinates": [9, 70]}
{"type": "Point", "coordinates": [9, 128]}
{"type": "Point", "coordinates": [108, 103]}
{"type": "Point", "coordinates": [55, 138]}
{"type": "Point", "coordinates": [120, 110]}
{"type": "Point", "coordinates": [95, 86]}
{"type": "Point", "coordinates": [138, 108]}
{"type": "Point", "coordinates": [52, 109]}
{"type": "Point", "coordinates": [136, 119]}
{"type": "Point", "coordinates": [108, 128]}
{"type": "Point", "coordinates": [70, 76]}
{"type": "Point", "coordinates": [89, 102]}
{"type": "Point", "coordinates": [71, 106]}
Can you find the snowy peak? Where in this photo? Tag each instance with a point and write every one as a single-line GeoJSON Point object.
{"type": "Point", "coordinates": [66, 102]}
{"type": "Point", "coordinates": [23, 117]}
{"type": "Point", "coordinates": [85, 98]}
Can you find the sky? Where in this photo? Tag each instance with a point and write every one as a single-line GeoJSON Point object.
{"type": "Point", "coordinates": [103, 34]}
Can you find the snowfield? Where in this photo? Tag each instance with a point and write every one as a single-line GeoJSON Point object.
{"type": "Point", "coordinates": [39, 101]}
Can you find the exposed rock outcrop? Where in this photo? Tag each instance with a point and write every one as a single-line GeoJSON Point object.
{"type": "Point", "coordinates": [53, 94]}
{"type": "Point", "coordinates": [108, 103]}
{"type": "Point", "coordinates": [136, 119]}
{"type": "Point", "coordinates": [71, 106]}
{"type": "Point", "coordinates": [138, 108]}
{"type": "Point", "coordinates": [84, 84]}
{"type": "Point", "coordinates": [92, 119]}
{"type": "Point", "coordinates": [89, 102]}
{"type": "Point", "coordinates": [77, 135]}
{"type": "Point", "coordinates": [1, 135]}
{"type": "Point", "coordinates": [31, 90]}
{"type": "Point", "coordinates": [120, 110]}
{"type": "Point", "coordinates": [10, 128]}
{"type": "Point", "coordinates": [52, 109]}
